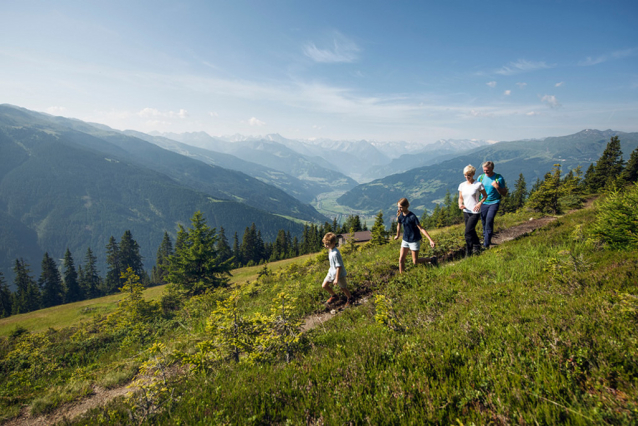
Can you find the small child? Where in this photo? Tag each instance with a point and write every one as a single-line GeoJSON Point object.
{"type": "Point", "coordinates": [337, 272]}
{"type": "Point", "coordinates": [412, 231]}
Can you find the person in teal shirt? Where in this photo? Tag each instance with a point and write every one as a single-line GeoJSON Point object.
{"type": "Point", "coordinates": [495, 188]}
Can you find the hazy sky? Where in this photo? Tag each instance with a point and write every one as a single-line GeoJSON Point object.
{"type": "Point", "coordinates": [378, 70]}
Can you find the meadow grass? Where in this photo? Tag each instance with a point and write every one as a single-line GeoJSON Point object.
{"type": "Point", "coordinates": [507, 337]}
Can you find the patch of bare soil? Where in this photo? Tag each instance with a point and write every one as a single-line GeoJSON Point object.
{"type": "Point", "coordinates": [361, 296]}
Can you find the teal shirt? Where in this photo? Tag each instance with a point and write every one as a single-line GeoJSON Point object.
{"type": "Point", "coordinates": [493, 196]}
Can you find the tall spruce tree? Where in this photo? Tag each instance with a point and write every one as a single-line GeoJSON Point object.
{"type": "Point", "coordinates": [609, 166]}
{"type": "Point", "coordinates": [130, 256]}
{"type": "Point", "coordinates": [6, 298]}
{"type": "Point", "coordinates": [74, 292]}
{"type": "Point", "coordinates": [164, 252]}
{"type": "Point", "coordinates": [195, 266]}
{"type": "Point", "coordinates": [90, 281]}
{"type": "Point", "coordinates": [630, 174]}
{"type": "Point", "coordinates": [519, 195]}
{"type": "Point", "coordinates": [223, 248]}
{"type": "Point", "coordinates": [379, 235]}
{"type": "Point", "coordinates": [50, 283]}
{"type": "Point", "coordinates": [114, 267]}
{"type": "Point", "coordinates": [237, 260]}
{"type": "Point", "coordinates": [27, 296]}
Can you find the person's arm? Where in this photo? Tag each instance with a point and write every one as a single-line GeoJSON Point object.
{"type": "Point", "coordinates": [461, 205]}
{"type": "Point", "coordinates": [336, 281]}
{"type": "Point", "coordinates": [478, 205]}
{"type": "Point", "coordinates": [501, 189]}
{"type": "Point", "coordinates": [396, 237]}
{"type": "Point", "coordinates": [424, 232]}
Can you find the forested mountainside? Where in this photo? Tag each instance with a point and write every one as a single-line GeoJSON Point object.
{"type": "Point", "coordinates": [304, 190]}
{"type": "Point", "coordinates": [276, 156]}
{"type": "Point", "coordinates": [428, 185]}
{"type": "Point", "coordinates": [62, 188]}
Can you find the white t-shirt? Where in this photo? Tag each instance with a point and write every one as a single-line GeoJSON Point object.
{"type": "Point", "coordinates": [470, 193]}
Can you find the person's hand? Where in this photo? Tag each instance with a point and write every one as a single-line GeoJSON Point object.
{"type": "Point", "coordinates": [462, 207]}
{"type": "Point", "coordinates": [495, 185]}
{"type": "Point", "coordinates": [477, 207]}
{"type": "Point", "coordinates": [336, 281]}
{"type": "Point", "coordinates": [396, 237]}
{"type": "Point", "coordinates": [432, 243]}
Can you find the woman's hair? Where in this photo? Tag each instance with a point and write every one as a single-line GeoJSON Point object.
{"type": "Point", "coordinates": [469, 169]}
{"type": "Point", "coordinates": [330, 238]}
{"type": "Point", "coordinates": [403, 202]}
{"type": "Point", "coordinates": [488, 164]}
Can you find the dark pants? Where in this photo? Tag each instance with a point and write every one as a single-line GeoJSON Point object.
{"type": "Point", "coordinates": [488, 212]}
{"type": "Point", "coordinates": [471, 237]}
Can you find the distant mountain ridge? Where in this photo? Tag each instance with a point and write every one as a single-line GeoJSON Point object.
{"type": "Point", "coordinates": [425, 186]}
{"type": "Point", "coordinates": [65, 183]}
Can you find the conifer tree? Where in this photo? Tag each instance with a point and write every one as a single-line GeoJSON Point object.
{"type": "Point", "coordinates": [50, 283]}
{"type": "Point", "coordinates": [630, 174]}
{"type": "Point", "coordinates": [90, 278]}
{"type": "Point", "coordinates": [5, 298]}
{"type": "Point", "coordinates": [27, 296]}
{"type": "Point", "coordinates": [379, 235]}
{"type": "Point", "coordinates": [164, 251]}
{"type": "Point", "coordinates": [517, 198]}
{"type": "Point", "coordinates": [587, 184]}
{"type": "Point", "coordinates": [73, 289]}
{"type": "Point", "coordinates": [545, 199]}
{"type": "Point", "coordinates": [195, 266]}
{"type": "Point", "coordinates": [130, 256]}
{"type": "Point", "coordinates": [236, 251]}
{"type": "Point", "coordinates": [609, 166]}
{"type": "Point", "coordinates": [114, 265]}
{"type": "Point", "coordinates": [223, 249]}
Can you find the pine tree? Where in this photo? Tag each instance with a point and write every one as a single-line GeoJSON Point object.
{"type": "Point", "coordinates": [519, 196]}
{"type": "Point", "coordinates": [6, 298]}
{"type": "Point", "coordinates": [130, 256]}
{"type": "Point", "coordinates": [545, 199]}
{"type": "Point", "coordinates": [236, 251]}
{"type": "Point", "coordinates": [50, 283]}
{"type": "Point", "coordinates": [379, 235]}
{"type": "Point", "coordinates": [609, 166]}
{"type": "Point", "coordinates": [587, 184]}
{"type": "Point", "coordinates": [164, 251]}
{"type": "Point", "coordinates": [73, 289]}
{"type": "Point", "coordinates": [114, 265]}
{"type": "Point", "coordinates": [247, 247]}
{"type": "Point", "coordinates": [630, 174]}
{"type": "Point", "coordinates": [90, 281]}
{"type": "Point", "coordinates": [223, 249]}
{"type": "Point", "coordinates": [27, 296]}
{"type": "Point", "coordinates": [195, 266]}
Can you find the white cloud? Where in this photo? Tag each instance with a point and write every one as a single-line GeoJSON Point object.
{"type": "Point", "coordinates": [507, 92]}
{"type": "Point", "coordinates": [491, 84]}
{"type": "Point", "coordinates": [342, 49]}
{"type": "Point", "coordinates": [619, 54]}
{"type": "Point", "coordinates": [521, 66]}
{"type": "Point", "coordinates": [254, 122]}
{"type": "Point", "coordinates": [521, 85]}
{"type": "Point", "coordinates": [475, 113]}
{"type": "Point", "coordinates": [56, 110]}
{"type": "Point", "coordinates": [213, 114]}
{"type": "Point", "coordinates": [153, 112]}
{"type": "Point", "coordinates": [532, 113]}
{"type": "Point", "coordinates": [551, 101]}
{"type": "Point", "coordinates": [559, 84]}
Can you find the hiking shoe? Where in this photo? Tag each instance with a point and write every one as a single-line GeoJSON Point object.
{"type": "Point", "coordinates": [434, 261]}
{"type": "Point", "coordinates": [348, 303]}
{"type": "Point", "coordinates": [332, 300]}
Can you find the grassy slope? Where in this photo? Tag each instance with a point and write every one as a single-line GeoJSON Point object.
{"type": "Point", "coordinates": [535, 331]}
{"type": "Point", "coordinates": [72, 314]}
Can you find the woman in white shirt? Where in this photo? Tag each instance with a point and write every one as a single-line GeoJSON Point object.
{"type": "Point", "coordinates": [469, 192]}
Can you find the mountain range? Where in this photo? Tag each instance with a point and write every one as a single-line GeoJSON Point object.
{"type": "Point", "coordinates": [425, 186]}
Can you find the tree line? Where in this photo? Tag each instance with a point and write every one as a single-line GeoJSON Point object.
{"type": "Point", "coordinates": [68, 283]}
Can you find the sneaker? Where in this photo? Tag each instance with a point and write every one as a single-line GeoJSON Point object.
{"type": "Point", "coordinates": [434, 261]}
{"type": "Point", "coordinates": [348, 303]}
{"type": "Point", "coordinates": [332, 300]}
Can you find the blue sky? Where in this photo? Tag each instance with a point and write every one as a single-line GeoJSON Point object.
{"type": "Point", "coordinates": [378, 70]}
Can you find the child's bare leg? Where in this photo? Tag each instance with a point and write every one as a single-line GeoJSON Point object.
{"type": "Point", "coordinates": [347, 293]}
{"type": "Point", "coordinates": [402, 255]}
{"type": "Point", "coordinates": [416, 259]}
{"type": "Point", "coordinates": [328, 287]}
